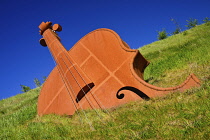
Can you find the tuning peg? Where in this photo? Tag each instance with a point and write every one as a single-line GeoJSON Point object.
{"type": "Point", "coordinates": [44, 26]}
{"type": "Point", "coordinates": [57, 27]}
{"type": "Point", "coordinates": [42, 42]}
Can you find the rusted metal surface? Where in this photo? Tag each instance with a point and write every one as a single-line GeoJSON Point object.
{"type": "Point", "coordinates": [99, 71]}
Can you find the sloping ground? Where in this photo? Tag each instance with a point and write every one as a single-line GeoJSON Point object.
{"type": "Point", "coordinates": [175, 116]}
{"type": "Point", "coordinates": [173, 59]}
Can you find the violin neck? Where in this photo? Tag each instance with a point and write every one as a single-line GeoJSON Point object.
{"type": "Point", "coordinates": [69, 70]}
{"type": "Point", "coordinates": [56, 48]}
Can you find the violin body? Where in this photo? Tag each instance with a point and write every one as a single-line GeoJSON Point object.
{"type": "Point", "coordinates": [99, 71]}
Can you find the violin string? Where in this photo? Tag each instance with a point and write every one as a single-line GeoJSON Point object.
{"type": "Point", "coordinates": [72, 90]}
{"type": "Point", "coordinates": [97, 100]}
{"type": "Point", "coordinates": [51, 53]}
{"type": "Point", "coordinates": [91, 104]}
{"type": "Point", "coordinates": [69, 85]}
{"type": "Point", "coordinates": [63, 49]}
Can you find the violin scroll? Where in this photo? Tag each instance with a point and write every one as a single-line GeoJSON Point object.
{"type": "Point", "coordinates": [44, 26]}
{"type": "Point", "coordinates": [48, 25]}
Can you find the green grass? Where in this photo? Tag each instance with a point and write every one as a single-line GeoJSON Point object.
{"type": "Point", "coordinates": [175, 116]}
{"type": "Point", "coordinates": [173, 59]}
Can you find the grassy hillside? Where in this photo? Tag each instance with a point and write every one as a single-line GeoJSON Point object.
{"type": "Point", "coordinates": [175, 116]}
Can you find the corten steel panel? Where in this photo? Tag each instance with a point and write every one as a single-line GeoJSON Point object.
{"type": "Point", "coordinates": [80, 57]}
{"type": "Point", "coordinates": [96, 67]}
{"type": "Point", "coordinates": [100, 71]}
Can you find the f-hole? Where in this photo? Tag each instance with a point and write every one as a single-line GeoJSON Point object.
{"type": "Point", "coordinates": [84, 91]}
{"type": "Point", "coordinates": [134, 90]}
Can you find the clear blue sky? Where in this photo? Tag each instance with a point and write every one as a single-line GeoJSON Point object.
{"type": "Point", "coordinates": [22, 58]}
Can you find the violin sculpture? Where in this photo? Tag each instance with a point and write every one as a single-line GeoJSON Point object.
{"type": "Point", "coordinates": [99, 71]}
